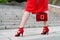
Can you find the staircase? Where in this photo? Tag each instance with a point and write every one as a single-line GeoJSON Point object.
{"type": "Point", "coordinates": [10, 17]}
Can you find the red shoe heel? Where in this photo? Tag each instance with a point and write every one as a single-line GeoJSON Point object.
{"type": "Point", "coordinates": [18, 34]}
{"type": "Point", "coordinates": [45, 30]}
{"type": "Point", "coordinates": [20, 31]}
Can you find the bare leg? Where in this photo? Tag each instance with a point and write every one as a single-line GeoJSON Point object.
{"type": "Point", "coordinates": [24, 18]}
{"type": "Point", "coordinates": [45, 23]}
{"type": "Point", "coordinates": [45, 28]}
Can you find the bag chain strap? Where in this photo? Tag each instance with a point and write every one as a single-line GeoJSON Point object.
{"type": "Point", "coordinates": [37, 5]}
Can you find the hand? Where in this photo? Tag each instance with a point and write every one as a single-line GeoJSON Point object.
{"type": "Point", "coordinates": [46, 11]}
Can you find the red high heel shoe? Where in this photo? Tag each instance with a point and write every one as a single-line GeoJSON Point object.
{"type": "Point", "coordinates": [20, 31]}
{"type": "Point", "coordinates": [45, 30]}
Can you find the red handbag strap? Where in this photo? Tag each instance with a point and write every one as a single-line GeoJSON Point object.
{"type": "Point", "coordinates": [37, 5]}
{"type": "Point", "coordinates": [44, 4]}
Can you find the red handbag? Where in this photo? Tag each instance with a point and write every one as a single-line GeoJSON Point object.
{"type": "Point", "coordinates": [41, 16]}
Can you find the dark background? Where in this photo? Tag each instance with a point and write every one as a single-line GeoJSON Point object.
{"type": "Point", "coordinates": [19, 1]}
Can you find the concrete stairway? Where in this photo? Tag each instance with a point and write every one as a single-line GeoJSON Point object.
{"type": "Point", "coordinates": [10, 17]}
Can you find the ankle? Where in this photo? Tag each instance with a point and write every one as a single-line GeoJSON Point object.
{"type": "Point", "coordinates": [45, 26]}
{"type": "Point", "coordinates": [21, 27]}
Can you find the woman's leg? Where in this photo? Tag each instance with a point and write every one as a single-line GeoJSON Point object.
{"type": "Point", "coordinates": [45, 28]}
{"type": "Point", "coordinates": [24, 20]}
{"type": "Point", "coordinates": [45, 23]}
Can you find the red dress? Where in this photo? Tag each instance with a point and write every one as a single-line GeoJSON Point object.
{"type": "Point", "coordinates": [36, 6]}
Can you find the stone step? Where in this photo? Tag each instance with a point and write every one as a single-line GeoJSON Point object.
{"type": "Point", "coordinates": [17, 23]}
{"type": "Point", "coordinates": [26, 26]}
